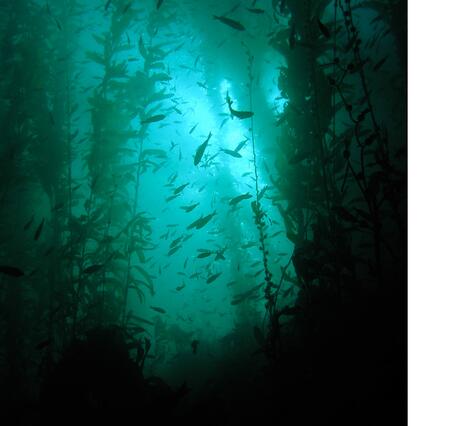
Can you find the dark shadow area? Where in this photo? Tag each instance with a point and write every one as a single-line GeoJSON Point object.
{"type": "Point", "coordinates": [203, 212]}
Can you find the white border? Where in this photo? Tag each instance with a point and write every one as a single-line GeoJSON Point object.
{"type": "Point", "coordinates": [432, 213]}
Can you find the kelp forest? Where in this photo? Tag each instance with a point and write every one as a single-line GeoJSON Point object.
{"type": "Point", "coordinates": [203, 212]}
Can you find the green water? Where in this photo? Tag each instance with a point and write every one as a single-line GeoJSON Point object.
{"type": "Point", "coordinates": [221, 180]}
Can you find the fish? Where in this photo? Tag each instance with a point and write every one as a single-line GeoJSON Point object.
{"type": "Point", "coordinates": [255, 10]}
{"type": "Point", "coordinates": [189, 208]}
{"type": "Point", "coordinates": [240, 198]}
{"type": "Point", "coordinates": [38, 230]}
{"type": "Point", "coordinates": [153, 119]}
{"type": "Point", "coordinates": [193, 129]}
{"type": "Point", "coordinates": [172, 178]}
{"type": "Point", "coordinates": [58, 206]}
{"type": "Point", "coordinates": [186, 67]}
{"type": "Point", "coordinates": [262, 192]}
{"type": "Point", "coordinates": [202, 221]}
{"type": "Point", "coordinates": [174, 250]}
{"type": "Point", "coordinates": [74, 134]}
{"type": "Point", "coordinates": [141, 319]}
{"type": "Point", "coordinates": [204, 253]}
{"type": "Point", "coordinates": [230, 22]}
{"type": "Point", "coordinates": [171, 197]}
{"type": "Point", "coordinates": [29, 223]}
{"type": "Point", "coordinates": [107, 4]}
{"type": "Point", "coordinates": [92, 269]}
{"type": "Point", "coordinates": [127, 7]}
{"type": "Point", "coordinates": [220, 254]}
{"type": "Point", "coordinates": [379, 17]}
{"type": "Point", "coordinates": [142, 48]}
{"type": "Point", "coordinates": [200, 151]}
{"type": "Point", "coordinates": [213, 277]}
{"type": "Point", "coordinates": [379, 64]}
{"type": "Point", "coordinates": [324, 29]}
{"type": "Point", "coordinates": [202, 85]}
{"type": "Point", "coordinates": [223, 122]}
{"type": "Point", "coordinates": [59, 26]}
{"type": "Point", "coordinates": [237, 300]}
{"type": "Point", "coordinates": [11, 271]}
{"type": "Point", "coordinates": [136, 329]}
{"type": "Point", "coordinates": [287, 292]}
{"type": "Point", "coordinates": [275, 234]}
{"type": "Point", "coordinates": [175, 242]}
{"type": "Point", "coordinates": [241, 145]}
{"type": "Point", "coordinates": [221, 43]}
{"type": "Point", "coordinates": [163, 77]}
{"type": "Point", "coordinates": [179, 189]}
{"type": "Point", "coordinates": [158, 309]}
{"type": "Point", "coordinates": [234, 154]}
{"type": "Point", "coordinates": [235, 113]}
{"type": "Point", "coordinates": [180, 287]}
{"type": "Point", "coordinates": [159, 3]}
{"type": "Point", "coordinates": [243, 296]}
{"type": "Point", "coordinates": [232, 10]}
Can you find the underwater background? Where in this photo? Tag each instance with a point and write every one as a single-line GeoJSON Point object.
{"type": "Point", "coordinates": [203, 211]}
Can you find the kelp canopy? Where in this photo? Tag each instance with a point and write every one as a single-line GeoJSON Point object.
{"type": "Point", "coordinates": [203, 210]}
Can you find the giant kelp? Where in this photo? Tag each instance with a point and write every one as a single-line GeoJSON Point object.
{"type": "Point", "coordinates": [213, 193]}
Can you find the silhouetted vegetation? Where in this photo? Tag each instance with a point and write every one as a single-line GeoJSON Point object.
{"type": "Point", "coordinates": [204, 211]}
